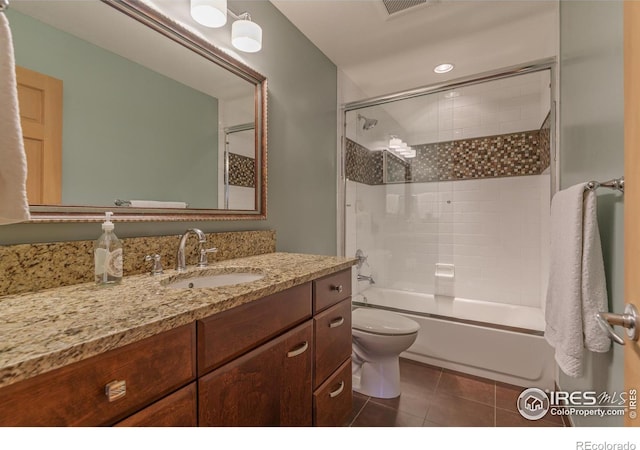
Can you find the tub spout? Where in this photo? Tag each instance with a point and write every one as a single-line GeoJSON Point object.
{"type": "Point", "coordinates": [366, 278]}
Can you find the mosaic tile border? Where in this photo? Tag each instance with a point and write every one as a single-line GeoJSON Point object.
{"type": "Point", "coordinates": [506, 155]}
{"type": "Point", "coordinates": [242, 170]}
{"type": "Point", "coordinates": [545, 142]}
{"type": "Point", "coordinates": [362, 165]}
{"type": "Point", "coordinates": [33, 267]}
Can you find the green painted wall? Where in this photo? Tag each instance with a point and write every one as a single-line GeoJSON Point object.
{"type": "Point", "coordinates": [302, 149]}
{"type": "Point", "coordinates": [592, 148]}
{"type": "Point", "coordinates": [112, 108]}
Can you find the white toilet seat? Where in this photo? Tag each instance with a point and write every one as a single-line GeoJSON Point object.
{"type": "Point", "coordinates": [382, 322]}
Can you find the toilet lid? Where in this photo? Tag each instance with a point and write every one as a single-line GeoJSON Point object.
{"type": "Point", "coordinates": [382, 322]}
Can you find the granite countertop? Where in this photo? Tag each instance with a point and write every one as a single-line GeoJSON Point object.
{"type": "Point", "coordinates": [44, 330]}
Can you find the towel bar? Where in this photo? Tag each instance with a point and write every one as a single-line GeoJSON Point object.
{"type": "Point", "coordinates": [617, 184]}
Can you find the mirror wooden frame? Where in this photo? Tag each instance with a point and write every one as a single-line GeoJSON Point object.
{"type": "Point", "coordinates": [154, 19]}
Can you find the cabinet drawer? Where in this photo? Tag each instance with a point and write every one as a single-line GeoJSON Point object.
{"type": "Point", "coordinates": [332, 401]}
{"type": "Point", "coordinates": [331, 289]}
{"type": "Point", "coordinates": [269, 386]}
{"type": "Point", "coordinates": [332, 332]}
{"type": "Point", "coordinates": [179, 409]}
{"type": "Point", "coordinates": [229, 334]}
{"type": "Point", "coordinates": [75, 394]}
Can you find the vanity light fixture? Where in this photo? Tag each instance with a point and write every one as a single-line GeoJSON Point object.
{"type": "Point", "coordinates": [400, 148]}
{"type": "Point", "coordinates": [246, 35]}
{"type": "Point", "coordinates": [395, 142]}
{"type": "Point", "coordinates": [210, 13]}
{"type": "Point", "coordinates": [443, 68]}
{"type": "Point", "coordinates": [410, 153]}
{"type": "Point", "coordinates": [406, 151]}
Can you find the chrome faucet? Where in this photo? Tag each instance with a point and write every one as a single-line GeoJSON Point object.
{"type": "Point", "coordinates": [366, 278]}
{"type": "Point", "coordinates": [202, 239]}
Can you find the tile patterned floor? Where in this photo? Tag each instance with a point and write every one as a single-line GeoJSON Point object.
{"type": "Point", "coordinates": [435, 397]}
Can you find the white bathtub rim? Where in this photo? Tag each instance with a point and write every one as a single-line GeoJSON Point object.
{"type": "Point", "coordinates": [524, 319]}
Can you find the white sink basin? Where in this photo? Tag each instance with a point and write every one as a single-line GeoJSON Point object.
{"type": "Point", "coordinates": [217, 280]}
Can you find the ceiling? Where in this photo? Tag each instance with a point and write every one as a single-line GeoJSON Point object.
{"type": "Point", "coordinates": [382, 53]}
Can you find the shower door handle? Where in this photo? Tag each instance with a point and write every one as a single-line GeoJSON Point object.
{"type": "Point", "coordinates": [628, 320]}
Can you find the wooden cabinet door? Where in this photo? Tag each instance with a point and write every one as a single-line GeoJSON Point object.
{"type": "Point", "coordinates": [269, 386]}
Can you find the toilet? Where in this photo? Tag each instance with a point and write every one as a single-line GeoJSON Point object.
{"type": "Point", "coordinates": [378, 338]}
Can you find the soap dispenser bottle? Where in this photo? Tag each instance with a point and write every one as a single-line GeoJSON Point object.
{"type": "Point", "coordinates": [108, 255]}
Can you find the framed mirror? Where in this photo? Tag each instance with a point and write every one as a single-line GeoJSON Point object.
{"type": "Point", "coordinates": [126, 110]}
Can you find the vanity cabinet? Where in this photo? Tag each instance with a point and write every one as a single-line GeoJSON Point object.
{"type": "Point", "coordinates": [296, 365]}
{"type": "Point", "coordinates": [226, 335]}
{"type": "Point", "coordinates": [253, 372]}
{"type": "Point", "coordinates": [281, 360]}
{"type": "Point", "coordinates": [269, 386]}
{"type": "Point", "coordinates": [105, 388]}
{"type": "Point", "coordinates": [332, 398]}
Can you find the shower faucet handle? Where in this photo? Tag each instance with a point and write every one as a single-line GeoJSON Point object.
{"type": "Point", "coordinates": [362, 258]}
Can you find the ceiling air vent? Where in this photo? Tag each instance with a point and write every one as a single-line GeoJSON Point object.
{"type": "Point", "coordinates": [395, 6]}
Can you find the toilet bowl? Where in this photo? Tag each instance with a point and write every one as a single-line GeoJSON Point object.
{"type": "Point", "coordinates": [378, 338]}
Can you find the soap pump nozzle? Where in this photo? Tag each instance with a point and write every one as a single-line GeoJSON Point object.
{"type": "Point", "coordinates": [108, 225]}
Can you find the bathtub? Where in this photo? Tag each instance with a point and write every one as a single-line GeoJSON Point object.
{"type": "Point", "coordinates": [491, 340]}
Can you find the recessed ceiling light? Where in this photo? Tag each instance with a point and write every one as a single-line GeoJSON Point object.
{"type": "Point", "coordinates": [443, 68]}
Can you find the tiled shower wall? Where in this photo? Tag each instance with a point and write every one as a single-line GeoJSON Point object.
{"type": "Point", "coordinates": [506, 155]}
{"type": "Point", "coordinates": [242, 171]}
{"type": "Point", "coordinates": [493, 231]}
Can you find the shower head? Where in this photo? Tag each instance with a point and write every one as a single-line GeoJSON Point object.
{"type": "Point", "coordinates": [368, 123]}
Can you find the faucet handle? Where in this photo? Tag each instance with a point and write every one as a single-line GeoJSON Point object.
{"type": "Point", "coordinates": [157, 264]}
{"type": "Point", "coordinates": [202, 262]}
{"type": "Point", "coordinates": [362, 258]}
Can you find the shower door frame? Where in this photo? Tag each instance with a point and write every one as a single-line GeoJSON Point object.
{"type": "Point", "coordinates": [507, 72]}
{"type": "Point", "coordinates": [228, 131]}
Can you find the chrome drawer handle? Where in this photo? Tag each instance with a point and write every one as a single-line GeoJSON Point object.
{"type": "Point", "coordinates": [337, 322]}
{"type": "Point", "coordinates": [337, 391]}
{"type": "Point", "coordinates": [337, 288]}
{"type": "Point", "coordinates": [298, 351]}
{"type": "Point", "coordinates": [115, 390]}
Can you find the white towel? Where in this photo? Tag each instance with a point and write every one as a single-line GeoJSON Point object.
{"type": "Point", "coordinates": [577, 287]}
{"type": "Point", "coordinates": [157, 204]}
{"type": "Point", "coordinates": [14, 206]}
